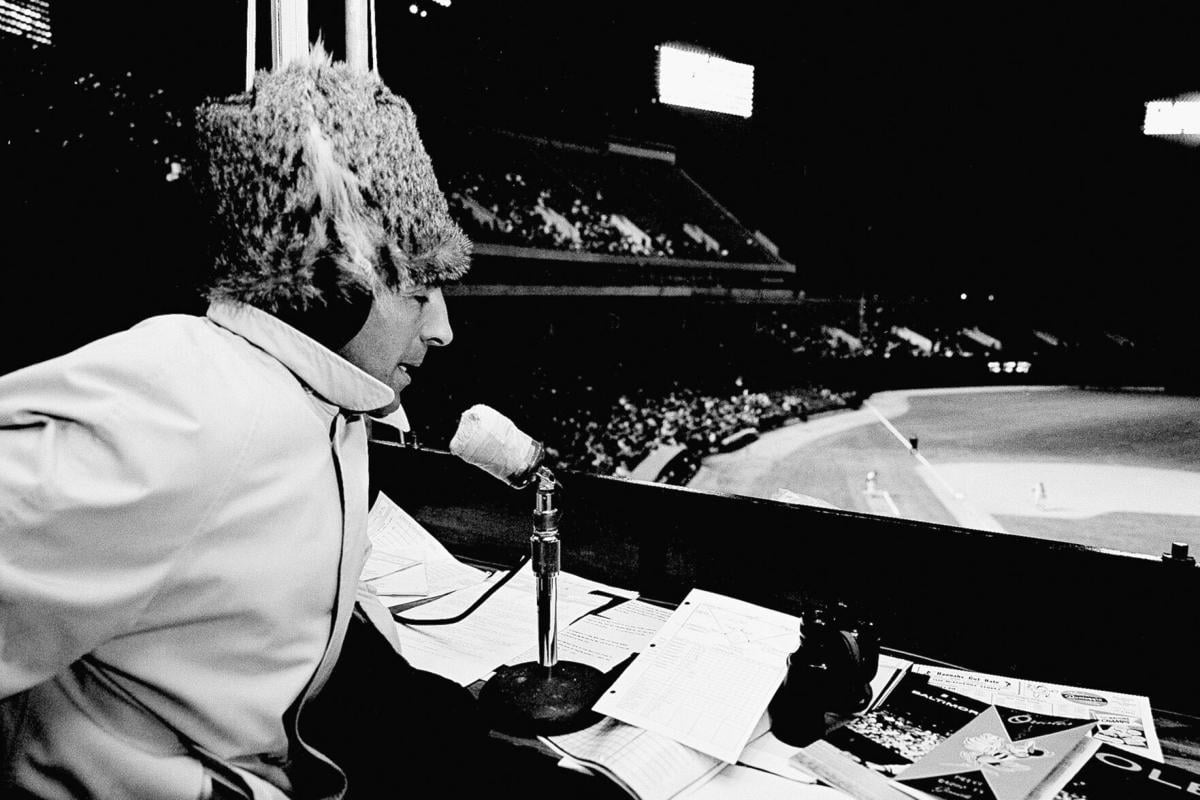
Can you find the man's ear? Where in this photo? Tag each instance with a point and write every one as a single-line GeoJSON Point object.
{"type": "Point", "coordinates": [339, 313]}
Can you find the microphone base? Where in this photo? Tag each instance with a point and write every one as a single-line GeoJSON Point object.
{"type": "Point", "coordinates": [532, 700]}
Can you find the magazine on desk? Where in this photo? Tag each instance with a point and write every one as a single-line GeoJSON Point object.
{"type": "Point", "coordinates": [1003, 754]}
{"type": "Point", "coordinates": [1122, 720]}
{"type": "Point", "coordinates": [931, 741]}
{"type": "Point", "coordinates": [1115, 774]}
{"type": "Point", "coordinates": [903, 728]}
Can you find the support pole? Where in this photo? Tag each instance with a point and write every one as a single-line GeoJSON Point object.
{"type": "Point", "coordinates": [289, 31]}
{"type": "Point", "coordinates": [357, 35]}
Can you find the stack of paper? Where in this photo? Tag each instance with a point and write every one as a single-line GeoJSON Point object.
{"type": "Point", "coordinates": [744, 783]}
{"type": "Point", "coordinates": [406, 561]}
{"type": "Point", "coordinates": [645, 764]}
{"type": "Point", "coordinates": [651, 766]}
{"type": "Point", "coordinates": [395, 575]}
{"type": "Point", "coordinates": [504, 627]}
{"type": "Point", "coordinates": [694, 701]}
{"type": "Point", "coordinates": [605, 639]}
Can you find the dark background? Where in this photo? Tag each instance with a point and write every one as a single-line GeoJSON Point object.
{"type": "Point", "coordinates": [908, 150]}
{"type": "Point", "coordinates": [892, 147]}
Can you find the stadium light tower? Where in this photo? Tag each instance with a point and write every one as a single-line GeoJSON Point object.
{"type": "Point", "coordinates": [692, 78]}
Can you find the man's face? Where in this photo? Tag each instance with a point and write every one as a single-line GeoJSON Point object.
{"type": "Point", "coordinates": [399, 330]}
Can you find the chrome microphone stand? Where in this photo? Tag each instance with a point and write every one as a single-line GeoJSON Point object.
{"type": "Point", "coordinates": [546, 696]}
{"type": "Point", "coordinates": [547, 563]}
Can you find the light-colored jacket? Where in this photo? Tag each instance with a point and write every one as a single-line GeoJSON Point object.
{"type": "Point", "coordinates": [183, 503]}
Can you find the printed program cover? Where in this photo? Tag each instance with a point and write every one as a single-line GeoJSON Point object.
{"type": "Point", "coordinates": [1003, 754]}
{"type": "Point", "coordinates": [910, 722]}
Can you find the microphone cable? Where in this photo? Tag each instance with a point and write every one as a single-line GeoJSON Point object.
{"type": "Point", "coordinates": [472, 607]}
{"type": "Point", "coordinates": [489, 440]}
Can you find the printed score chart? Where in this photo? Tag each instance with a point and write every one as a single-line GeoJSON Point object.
{"type": "Point", "coordinates": [647, 765]}
{"type": "Point", "coordinates": [706, 678]}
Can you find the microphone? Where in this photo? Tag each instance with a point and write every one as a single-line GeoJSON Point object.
{"type": "Point", "coordinates": [546, 696]}
{"type": "Point", "coordinates": [490, 441]}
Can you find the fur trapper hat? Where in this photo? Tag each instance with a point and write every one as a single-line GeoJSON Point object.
{"type": "Point", "coordinates": [317, 181]}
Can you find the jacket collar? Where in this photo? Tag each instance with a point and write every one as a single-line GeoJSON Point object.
{"type": "Point", "coordinates": [329, 375]}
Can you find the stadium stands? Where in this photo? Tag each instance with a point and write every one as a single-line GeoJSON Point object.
{"type": "Point", "coordinates": [619, 200]}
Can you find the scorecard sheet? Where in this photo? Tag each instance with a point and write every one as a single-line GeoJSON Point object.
{"type": "Point", "coordinates": [706, 678]}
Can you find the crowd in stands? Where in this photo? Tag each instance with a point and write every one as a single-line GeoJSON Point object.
{"type": "Point", "coordinates": [889, 330]}
{"type": "Point", "coordinates": [611, 387]}
{"type": "Point", "coordinates": [727, 376]}
{"type": "Point", "coordinates": [122, 122]}
{"type": "Point", "coordinates": [530, 193]}
{"type": "Point", "coordinates": [614, 440]}
{"type": "Point", "coordinates": [509, 210]}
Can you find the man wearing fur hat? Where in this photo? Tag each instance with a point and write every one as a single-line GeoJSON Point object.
{"type": "Point", "coordinates": [183, 504]}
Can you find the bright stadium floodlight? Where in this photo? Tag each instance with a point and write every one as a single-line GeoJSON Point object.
{"type": "Point", "coordinates": [694, 79]}
{"type": "Point", "coordinates": [1177, 119]}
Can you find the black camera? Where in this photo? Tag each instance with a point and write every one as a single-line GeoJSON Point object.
{"type": "Point", "coordinates": [829, 674]}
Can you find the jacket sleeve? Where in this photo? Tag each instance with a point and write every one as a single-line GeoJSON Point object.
{"type": "Point", "coordinates": [94, 504]}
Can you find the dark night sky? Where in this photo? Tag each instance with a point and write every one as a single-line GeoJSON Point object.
{"type": "Point", "coordinates": [939, 148]}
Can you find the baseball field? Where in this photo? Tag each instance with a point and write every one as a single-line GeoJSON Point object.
{"type": "Point", "coordinates": [1115, 469]}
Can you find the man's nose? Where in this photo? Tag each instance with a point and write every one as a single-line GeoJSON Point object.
{"type": "Point", "coordinates": [436, 331]}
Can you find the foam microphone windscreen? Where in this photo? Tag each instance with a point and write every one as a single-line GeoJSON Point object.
{"type": "Point", "coordinates": [490, 441]}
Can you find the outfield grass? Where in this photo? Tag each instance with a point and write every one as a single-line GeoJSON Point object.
{"type": "Point", "coordinates": [1121, 468]}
